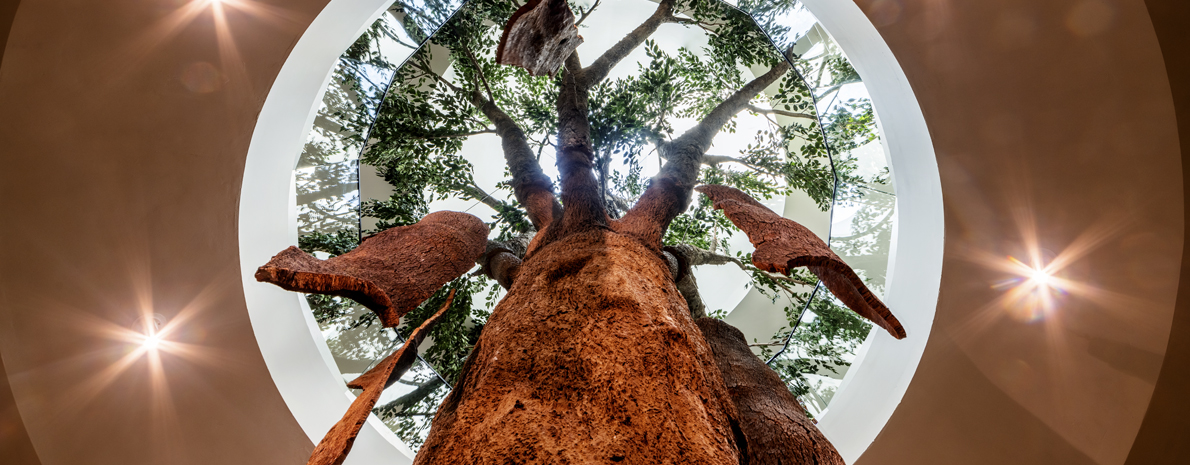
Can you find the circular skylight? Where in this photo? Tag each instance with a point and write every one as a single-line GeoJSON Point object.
{"type": "Point", "coordinates": [859, 219]}
{"type": "Point", "coordinates": [390, 144]}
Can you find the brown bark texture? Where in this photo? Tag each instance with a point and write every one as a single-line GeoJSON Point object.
{"type": "Point", "coordinates": [334, 446]}
{"type": "Point", "coordinates": [772, 420]}
{"type": "Point", "coordinates": [391, 272]}
{"type": "Point", "coordinates": [539, 37]}
{"type": "Point", "coordinates": [782, 244]}
{"type": "Point", "coordinates": [592, 357]}
{"type": "Point", "coordinates": [500, 263]}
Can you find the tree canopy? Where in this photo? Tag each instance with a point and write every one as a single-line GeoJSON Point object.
{"type": "Point", "coordinates": [412, 130]}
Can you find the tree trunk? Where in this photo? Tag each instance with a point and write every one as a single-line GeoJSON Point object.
{"type": "Point", "coordinates": [591, 357]}
{"type": "Point", "coordinates": [772, 420]}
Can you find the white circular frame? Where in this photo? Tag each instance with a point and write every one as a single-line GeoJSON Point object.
{"type": "Point", "coordinates": [301, 364]}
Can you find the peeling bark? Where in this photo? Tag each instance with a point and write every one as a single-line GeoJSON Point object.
{"type": "Point", "coordinates": [391, 272]}
{"type": "Point", "coordinates": [539, 37]}
{"type": "Point", "coordinates": [771, 419]}
{"type": "Point", "coordinates": [337, 442]}
{"type": "Point", "coordinates": [782, 244]}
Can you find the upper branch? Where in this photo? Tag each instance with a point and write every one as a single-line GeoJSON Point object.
{"type": "Point", "coordinates": [698, 257]}
{"type": "Point", "coordinates": [531, 186]}
{"type": "Point", "coordinates": [576, 156]}
{"type": "Point", "coordinates": [774, 111]}
{"type": "Point", "coordinates": [686, 151]}
{"type": "Point", "coordinates": [669, 193]}
{"type": "Point", "coordinates": [603, 65]}
{"type": "Point", "coordinates": [583, 14]}
{"type": "Point", "coordinates": [474, 191]}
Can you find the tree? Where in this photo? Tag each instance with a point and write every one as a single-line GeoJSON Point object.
{"type": "Point", "coordinates": [613, 226]}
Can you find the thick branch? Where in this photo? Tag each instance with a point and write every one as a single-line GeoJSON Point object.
{"type": "Point", "coordinates": [697, 257]}
{"type": "Point", "coordinates": [531, 186]}
{"type": "Point", "coordinates": [576, 156]}
{"type": "Point", "coordinates": [390, 272]}
{"type": "Point", "coordinates": [669, 192]}
{"type": "Point", "coordinates": [686, 151]}
{"type": "Point", "coordinates": [782, 244]}
{"type": "Point", "coordinates": [502, 259]}
{"type": "Point", "coordinates": [602, 66]}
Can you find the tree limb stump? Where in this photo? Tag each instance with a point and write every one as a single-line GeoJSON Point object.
{"type": "Point", "coordinates": [782, 244]}
{"type": "Point", "coordinates": [539, 37]}
{"type": "Point", "coordinates": [336, 444]}
{"type": "Point", "coordinates": [391, 272]}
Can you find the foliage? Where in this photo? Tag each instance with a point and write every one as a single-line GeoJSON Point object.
{"type": "Point", "coordinates": [337, 243]}
{"type": "Point", "coordinates": [414, 137]}
{"type": "Point", "coordinates": [820, 341]}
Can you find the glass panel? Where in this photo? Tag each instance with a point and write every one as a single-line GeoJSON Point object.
{"type": "Point", "coordinates": [821, 349]}
{"type": "Point", "coordinates": [408, 406]}
{"type": "Point", "coordinates": [863, 207]}
{"type": "Point", "coordinates": [843, 103]}
{"type": "Point", "coordinates": [862, 223]}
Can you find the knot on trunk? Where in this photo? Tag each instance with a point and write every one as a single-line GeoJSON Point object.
{"type": "Point", "coordinates": [502, 260]}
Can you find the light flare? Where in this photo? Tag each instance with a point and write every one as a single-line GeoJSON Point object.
{"type": "Point", "coordinates": [1037, 285]}
{"type": "Point", "coordinates": [1034, 293]}
{"type": "Point", "coordinates": [147, 342]}
{"type": "Point", "coordinates": [226, 15]}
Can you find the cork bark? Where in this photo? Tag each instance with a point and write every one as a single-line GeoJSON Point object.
{"type": "Point", "coordinates": [539, 37]}
{"type": "Point", "coordinates": [782, 244]}
{"type": "Point", "coordinates": [391, 272]}
{"type": "Point", "coordinates": [592, 357]}
{"type": "Point", "coordinates": [772, 421]}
